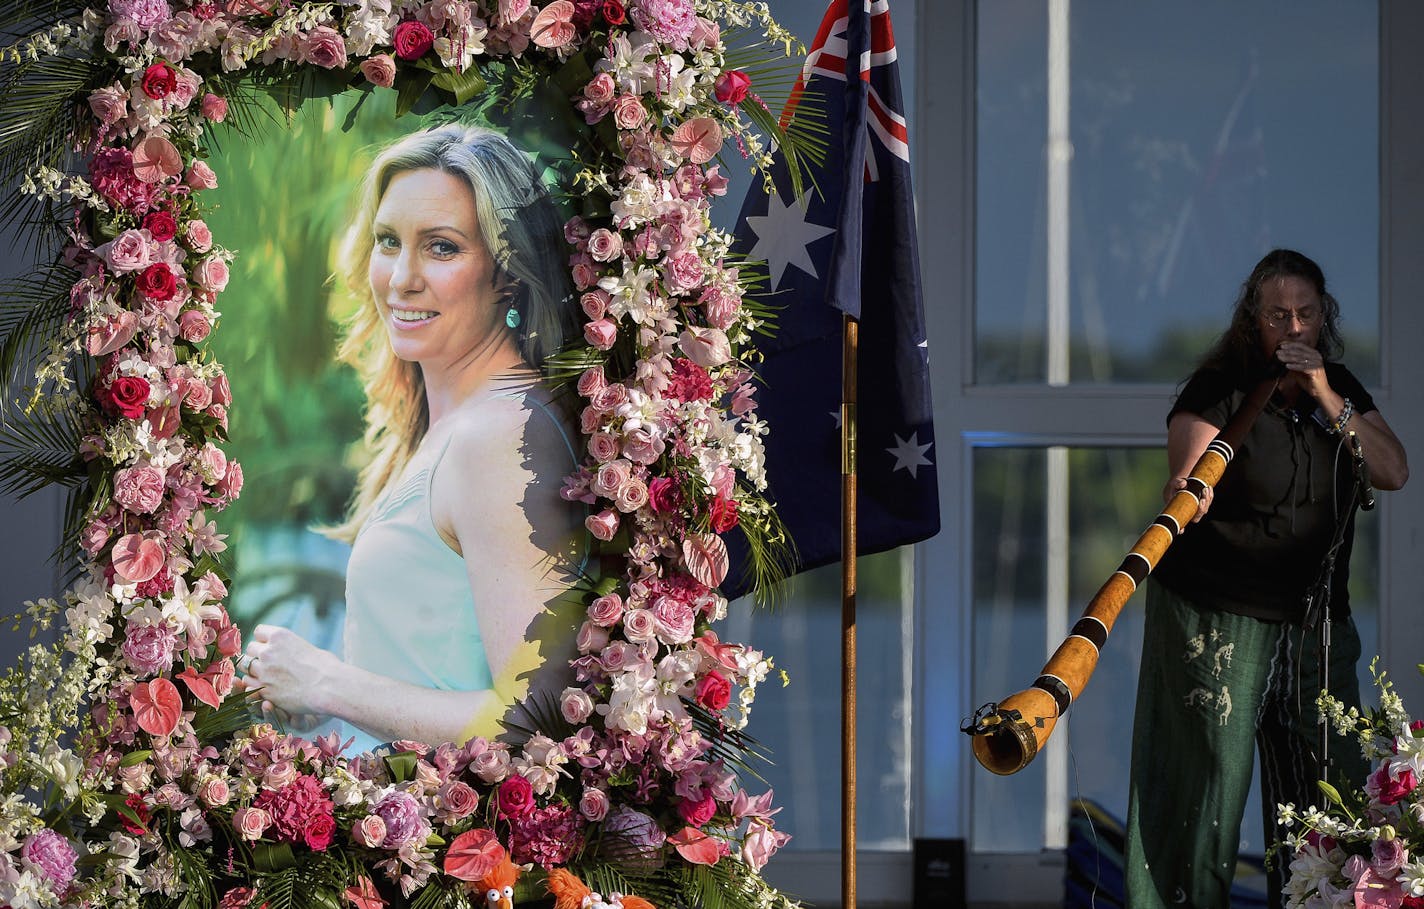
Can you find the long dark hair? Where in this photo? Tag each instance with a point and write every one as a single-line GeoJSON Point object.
{"type": "Point", "coordinates": [1238, 351]}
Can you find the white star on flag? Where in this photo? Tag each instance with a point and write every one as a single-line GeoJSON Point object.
{"type": "Point", "coordinates": [910, 454]}
{"type": "Point", "coordinates": [783, 234]}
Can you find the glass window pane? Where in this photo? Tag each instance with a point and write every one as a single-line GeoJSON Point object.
{"type": "Point", "coordinates": [801, 724]}
{"type": "Point", "coordinates": [1195, 138]}
{"type": "Point", "coordinates": [1113, 494]}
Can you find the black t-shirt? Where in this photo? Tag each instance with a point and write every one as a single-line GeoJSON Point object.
{"type": "Point", "coordinates": [1263, 543]}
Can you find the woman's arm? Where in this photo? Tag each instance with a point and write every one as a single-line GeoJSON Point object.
{"type": "Point", "coordinates": [1188, 435]}
{"type": "Point", "coordinates": [495, 496]}
{"type": "Point", "coordinates": [300, 678]}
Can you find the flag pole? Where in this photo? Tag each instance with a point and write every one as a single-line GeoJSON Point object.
{"type": "Point", "coordinates": [850, 346]}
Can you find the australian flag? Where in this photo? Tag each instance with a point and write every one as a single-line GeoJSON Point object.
{"type": "Point", "coordinates": [846, 245]}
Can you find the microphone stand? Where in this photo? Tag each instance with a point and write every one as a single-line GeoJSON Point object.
{"type": "Point", "coordinates": [1317, 597]}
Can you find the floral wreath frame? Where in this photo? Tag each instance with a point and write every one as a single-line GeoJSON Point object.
{"type": "Point", "coordinates": [165, 791]}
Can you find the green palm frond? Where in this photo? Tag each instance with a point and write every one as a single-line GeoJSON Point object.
{"type": "Point", "coordinates": [32, 309]}
{"type": "Point", "coordinates": [41, 108]}
{"type": "Point", "coordinates": [732, 746]}
{"type": "Point", "coordinates": [22, 17]}
{"type": "Point", "coordinates": [38, 453]}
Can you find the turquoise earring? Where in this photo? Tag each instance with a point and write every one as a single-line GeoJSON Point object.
{"type": "Point", "coordinates": [511, 318]}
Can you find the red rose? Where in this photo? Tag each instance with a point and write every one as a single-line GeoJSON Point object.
{"type": "Point", "coordinates": [159, 81]}
{"type": "Point", "coordinates": [724, 514]}
{"type": "Point", "coordinates": [732, 86]}
{"type": "Point", "coordinates": [697, 813]}
{"type": "Point", "coordinates": [613, 12]}
{"type": "Point", "coordinates": [714, 691]}
{"type": "Point", "coordinates": [319, 832]}
{"type": "Point", "coordinates": [515, 797]}
{"type": "Point", "coordinates": [412, 40]}
{"type": "Point", "coordinates": [129, 395]}
{"type": "Point", "coordinates": [161, 226]}
{"type": "Point", "coordinates": [157, 282]}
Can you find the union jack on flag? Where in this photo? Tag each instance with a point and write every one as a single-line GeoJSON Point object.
{"type": "Point", "coordinates": [846, 245]}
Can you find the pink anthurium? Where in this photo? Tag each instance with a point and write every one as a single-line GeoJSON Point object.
{"type": "Point", "coordinates": [698, 140]}
{"type": "Point", "coordinates": [695, 846]}
{"type": "Point", "coordinates": [554, 26]}
{"type": "Point", "coordinates": [157, 706]}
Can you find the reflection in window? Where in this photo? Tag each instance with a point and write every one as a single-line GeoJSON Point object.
{"type": "Point", "coordinates": [1135, 159]}
{"type": "Point", "coordinates": [1110, 495]}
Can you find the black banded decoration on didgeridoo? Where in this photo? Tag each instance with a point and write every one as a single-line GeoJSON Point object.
{"type": "Point", "coordinates": [1008, 734]}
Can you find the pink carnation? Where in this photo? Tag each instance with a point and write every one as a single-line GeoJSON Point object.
{"type": "Point", "coordinates": [670, 21]}
{"type": "Point", "coordinates": [52, 855]}
{"type": "Point", "coordinates": [144, 13]}
{"type": "Point", "coordinates": [149, 648]}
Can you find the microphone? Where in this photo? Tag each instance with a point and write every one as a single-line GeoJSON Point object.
{"type": "Point", "coordinates": [1362, 474]}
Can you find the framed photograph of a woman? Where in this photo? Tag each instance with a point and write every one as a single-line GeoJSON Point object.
{"type": "Point", "coordinates": [461, 548]}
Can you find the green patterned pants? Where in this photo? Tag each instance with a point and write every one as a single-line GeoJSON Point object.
{"type": "Point", "coordinates": [1213, 688]}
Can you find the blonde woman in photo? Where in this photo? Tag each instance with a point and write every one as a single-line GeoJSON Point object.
{"type": "Point", "coordinates": [461, 545]}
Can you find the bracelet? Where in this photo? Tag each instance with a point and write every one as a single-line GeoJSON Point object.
{"type": "Point", "coordinates": [1338, 425]}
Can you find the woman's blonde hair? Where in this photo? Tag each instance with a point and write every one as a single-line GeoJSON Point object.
{"type": "Point", "coordinates": [522, 231]}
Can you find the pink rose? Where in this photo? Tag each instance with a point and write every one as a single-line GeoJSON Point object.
{"type": "Point", "coordinates": [591, 638]}
{"type": "Point", "coordinates": [199, 395]}
{"type": "Point", "coordinates": [605, 246]}
{"type": "Point", "coordinates": [1392, 789]}
{"type": "Point", "coordinates": [610, 396]}
{"type": "Point", "coordinates": [699, 812]}
{"type": "Point", "coordinates": [139, 489]}
{"type": "Point", "coordinates": [1387, 856]}
{"type": "Point", "coordinates": [370, 831]}
{"type": "Point", "coordinates": [212, 463]}
{"type": "Point", "coordinates": [618, 656]}
{"type": "Point", "coordinates": [595, 304]}
{"type": "Point", "coordinates": [109, 105]}
{"type": "Point", "coordinates": [720, 306]}
{"type": "Point", "coordinates": [732, 86]}
{"type": "Point", "coordinates": [214, 792]}
{"type": "Point", "coordinates": [456, 800]}
{"type": "Point", "coordinates": [412, 40]}
{"type": "Point", "coordinates": [575, 705]}
{"type": "Point", "coordinates": [380, 70]}
{"type": "Point", "coordinates": [640, 625]}
{"type": "Point", "coordinates": [584, 271]}
{"type": "Point", "coordinates": [593, 804]}
{"type": "Point", "coordinates": [713, 691]}
{"type": "Point", "coordinates": [631, 496]}
{"type": "Point", "coordinates": [230, 486]}
{"type": "Point", "coordinates": [325, 47]}
{"type": "Point", "coordinates": [193, 326]}
{"type": "Point", "coordinates": [591, 382]}
{"type": "Point", "coordinates": [127, 252]}
{"type": "Point", "coordinates": [251, 823]}
{"type": "Point", "coordinates": [628, 112]}
{"type": "Point", "coordinates": [602, 525]}
{"type": "Point", "coordinates": [600, 89]}
{"type": "Point", "coordinates": [641, 446]}
{"type": "Point", "coordinates": [515, 797]}
{"type": "Point", "coordinates": [186, 89]}
{"type": "Point", "coordinates": [214, 107]}
{"type": "Point", "coordinates": [603, 446]}
{"type": "Point", "coordinates": [606, 610]}
{"type": "Point", "coordinates": [137, 557]}
{"type": "Point", "coordinates": [663, 495]}
{"type": "Point", "coordinates": [319, 832]}
{"type": "Point", "coordinates": [222, 394]}
{"type": "Point", "coordinates": [212, 274]}
{"type": "Point", "coordinates": [600, 333]}
{"type": "Point", "coordinates": [611, 477]}
{"type": "Point", "coordinates": [675, 620]}
{"type": "Point", "coordinates": [684, 272]}
{"type": "Point", "coordinates": [201, 176]}
{"type": "Point", "coordinates": [761, 844]}
{"type": "Point", "coordinates": [197, 235]}
{"type": "Point", "coordinates": [705, 34]}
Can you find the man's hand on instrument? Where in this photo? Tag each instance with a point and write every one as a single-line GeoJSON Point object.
{"type": "Point", "coordinates": [1176, 485]}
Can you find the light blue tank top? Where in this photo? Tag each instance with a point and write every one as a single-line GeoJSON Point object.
{"type": "Point", "coordinates": [410, 613]}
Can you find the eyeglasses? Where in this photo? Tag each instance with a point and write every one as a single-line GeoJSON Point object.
{"type": "Point", "coordinates": [1307, 316]}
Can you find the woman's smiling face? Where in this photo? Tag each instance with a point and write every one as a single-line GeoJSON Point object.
{"type": "Point", "coordinates": [432, 278]}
